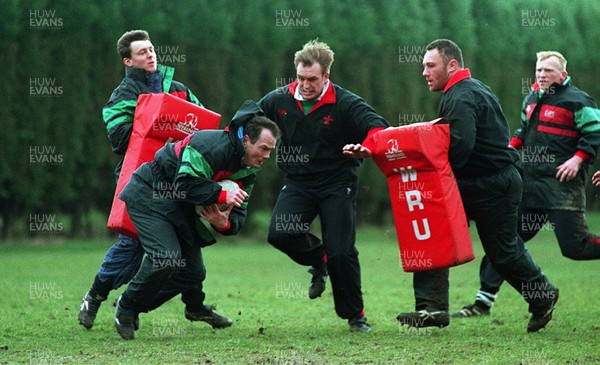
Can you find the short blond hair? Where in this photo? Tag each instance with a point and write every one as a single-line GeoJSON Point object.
{"type": "Point", "coordinates": [562, 62]}
{"type": "Point", "coordinates": [315, 51]}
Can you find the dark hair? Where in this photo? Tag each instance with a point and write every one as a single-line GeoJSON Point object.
{"type": "Point", "coordinates": [448, 50]}
{"type": "Point", "coordinates": [124, 43]}
{"type": "Point", "coordinates": [255, 126]}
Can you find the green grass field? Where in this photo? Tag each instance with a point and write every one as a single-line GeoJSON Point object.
{"type": "Point", "coordinates": [274, 322]}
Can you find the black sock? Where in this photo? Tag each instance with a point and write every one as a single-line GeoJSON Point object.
{"type": "Point", "coordinates": [100, 290]}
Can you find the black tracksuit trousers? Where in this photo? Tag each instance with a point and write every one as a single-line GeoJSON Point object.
{"type": "Point", "coordinates": [171, 265]}
{"type": "Point", "coordinates": [297, 206]}
{"type": "Point", "coordinates": [492, 203]}
{"type": "Point", "coordinates": [574, 238]}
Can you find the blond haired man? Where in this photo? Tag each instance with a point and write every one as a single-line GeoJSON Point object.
{"type": "Point", "coordinates": [559, 137]}
{"type": "Point", "coordinates": [317, 118]}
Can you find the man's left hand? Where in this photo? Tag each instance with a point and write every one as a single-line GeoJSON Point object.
{"type": "Point", "coordinates": [214, 216]}
{"type": "Point", "coordinates": [569, 169]}
{"type": "Point", "coordinates": [596, 179]}
{"type": "Point", "coordinates": [356, 151]}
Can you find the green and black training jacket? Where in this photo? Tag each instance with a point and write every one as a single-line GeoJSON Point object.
{"type": "Point", "coordinates": [118, 113]}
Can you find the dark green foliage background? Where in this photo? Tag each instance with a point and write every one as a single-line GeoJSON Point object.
{"type": "Point", "coordinates": [227, 51]}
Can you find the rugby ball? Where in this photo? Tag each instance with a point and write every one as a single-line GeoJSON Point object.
{"type": "Point", "coordinates": [227, 185]}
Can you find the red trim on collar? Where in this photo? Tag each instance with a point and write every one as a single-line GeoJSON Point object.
{"type": "Point", "coordinates": [292, 87]}
{"type": "Point", "coordinates": [328, 98]}
{"type": "Point", "coordinates": [180, 145]}
{"type": "Point", "coordinates": [458, 77]}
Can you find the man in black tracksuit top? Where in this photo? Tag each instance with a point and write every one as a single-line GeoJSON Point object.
{"type": "Point", "coordinates": [559, 136]}
{"type": "Point", "coordinates": [163, 198]}
{"type": "Point", "coordinates": [490, 187]}
{"type": "Point", "coordinates": [317, 118]}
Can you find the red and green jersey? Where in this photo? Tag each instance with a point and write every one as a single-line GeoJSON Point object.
{"type": "Point", "coordinates": [556, 124]}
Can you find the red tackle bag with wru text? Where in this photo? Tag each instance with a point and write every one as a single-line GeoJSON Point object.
{"type": "Point", "coordinates": [159, 119]}
{"type": "Point", "coordinates": [431, 225]}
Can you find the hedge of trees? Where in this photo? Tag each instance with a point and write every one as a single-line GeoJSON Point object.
{"type": "Point", "coordinates": [59, 66]}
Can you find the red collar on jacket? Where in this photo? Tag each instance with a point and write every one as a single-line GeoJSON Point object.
{"type": "Point", "coordinates": [458, 77]}
{"type": "Point", "coordinates": [535, 87]}
{"type": "Point", "coordinates": [328, 98]}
